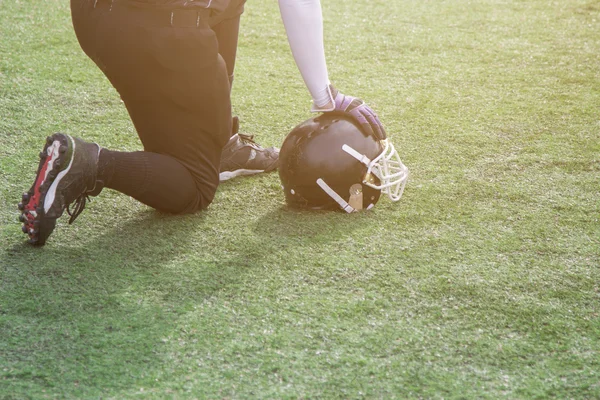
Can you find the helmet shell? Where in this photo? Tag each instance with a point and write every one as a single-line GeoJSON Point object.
{"type": "Point", "coordinates": [313, 150]}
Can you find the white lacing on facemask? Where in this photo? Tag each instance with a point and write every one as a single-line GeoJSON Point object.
{"type": "Point", "coordinates": [387, 167]}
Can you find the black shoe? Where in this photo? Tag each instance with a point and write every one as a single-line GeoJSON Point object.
{"type": "Point", "coordinates": [66, 174]}
{"type": "Point", "coordinates": [243, 156]}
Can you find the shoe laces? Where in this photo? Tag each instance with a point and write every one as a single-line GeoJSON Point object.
{"type": "Point", "coordinates": [80, 203]}
{"type": "Point", "coordinates": [249, 140]}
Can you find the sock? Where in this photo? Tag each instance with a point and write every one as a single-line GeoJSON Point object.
{"type": "Point", "coordinates": [157, 180]}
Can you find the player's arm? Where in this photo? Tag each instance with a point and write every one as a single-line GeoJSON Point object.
{"type": "Point", "coordinates": [303, 21]}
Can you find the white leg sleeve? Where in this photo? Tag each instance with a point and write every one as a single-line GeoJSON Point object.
{"type": "Point", "coordinates": [303, 21]}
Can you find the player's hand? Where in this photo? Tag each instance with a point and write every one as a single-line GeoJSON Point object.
{"type": "Point", "coordinates": [358, 110]}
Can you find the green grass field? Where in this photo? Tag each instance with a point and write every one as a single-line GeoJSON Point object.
{"type": "Point", "coordinates": [482, 282]}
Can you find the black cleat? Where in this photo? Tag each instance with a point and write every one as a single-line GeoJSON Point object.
{"type": "Point", "coordinates": [66, 174]}
{"type": "Point", "coordinates": [243, 156]}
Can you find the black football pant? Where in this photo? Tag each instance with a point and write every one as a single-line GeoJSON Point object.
{"type": "Point", "coordinates": [169, 69]}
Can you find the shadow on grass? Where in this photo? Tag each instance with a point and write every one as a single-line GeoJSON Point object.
{"type": "Point", "coordinates": [89, 317]}
{"type": "Point", "coordinates": [96, 316]}
{"type": "Point", "coordinates": [306, 226]}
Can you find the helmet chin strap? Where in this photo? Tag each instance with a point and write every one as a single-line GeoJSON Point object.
{"type": "Point", "coordinates": [338, 199]}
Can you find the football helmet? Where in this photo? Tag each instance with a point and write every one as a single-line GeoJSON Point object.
{"type": "Point", "coordinates": [329, 162]}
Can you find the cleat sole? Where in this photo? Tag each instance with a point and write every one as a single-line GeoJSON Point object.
{"type": "Point", "coordinates": [32, 206]}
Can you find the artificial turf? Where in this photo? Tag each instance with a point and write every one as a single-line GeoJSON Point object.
{"type": "Point", "coordinates": [482, 282]}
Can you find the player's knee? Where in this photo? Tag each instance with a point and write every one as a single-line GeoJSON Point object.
{"type": "Point", "coordinates": [200, 200]}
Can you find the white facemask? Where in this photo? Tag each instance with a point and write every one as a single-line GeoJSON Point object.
{"type": "Point", "coordinates": [387, 167]}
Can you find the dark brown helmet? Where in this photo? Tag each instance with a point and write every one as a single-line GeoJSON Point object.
{"type": "Point", "coordinates": [328, 162]}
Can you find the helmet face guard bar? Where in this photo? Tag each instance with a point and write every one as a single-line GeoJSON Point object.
{"type": "Point", "coordinates": [387, 167]}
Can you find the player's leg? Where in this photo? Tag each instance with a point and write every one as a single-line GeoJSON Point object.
{"type": "Point", "coordinates": [182, 120]}
{"type": "Point", "coordinates": [166, 67]}
{"type": "Point", "coordinates": [227, 32]}
{"type": "Point", "coordinates": [242, 155]}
